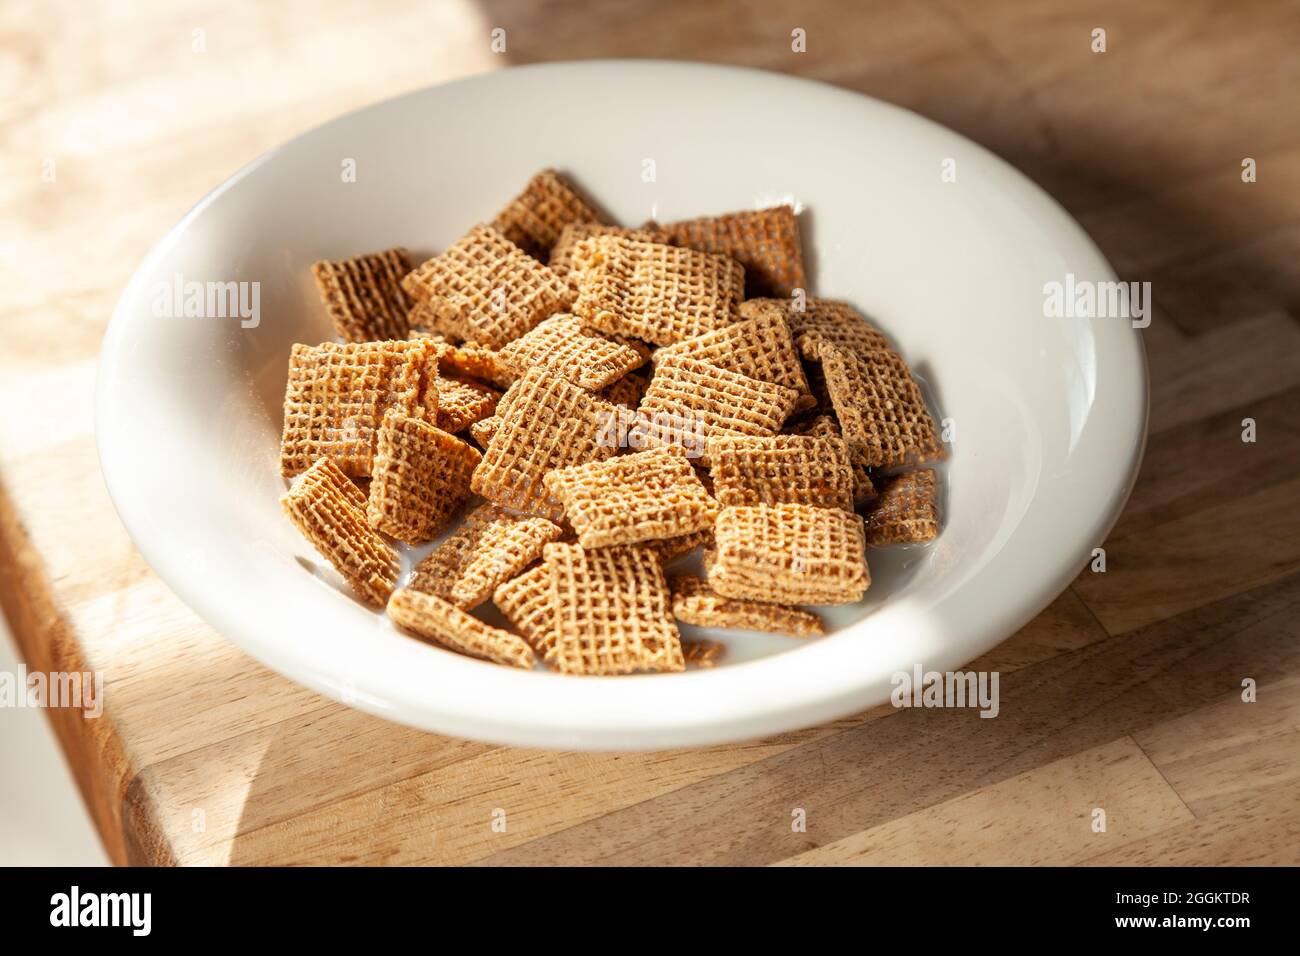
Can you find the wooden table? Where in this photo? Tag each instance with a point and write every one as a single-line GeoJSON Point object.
{"type": "Point", "coordinates": [1124, 695]}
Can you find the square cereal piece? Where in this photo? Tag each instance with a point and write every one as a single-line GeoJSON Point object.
{"type": "Point", "coordinates": [611, 611]}
{"type": "Point", "coordinates": [503, 545]}
{"type": "Point", "coordinates": [694, 602]}
{"type": "Point", "coordinates": [657, 293]}
{"type": "Point", "coordinates": [764, 241]}
{"type": "Point", "coordinates": [436, 620]}
{"type": "Point", "coordinates": [329, 511]}
{"type": "Point", "coordinates": [821, 320]}
{"type": "Point", "coordinates": [669, 549]}
{"type": "Point", "coordinates": [482, 431]}
{"type": "Point", "coordinates": [535, 218]}
{"type": "Point", "coordinates": [461, 403]}
{"type": "Point", "coordinates": [864, 489]}
{"type": "Point", "coordinates": [487, 289]}
{"type": "Point", "coordinates": [562, 344]}
{"type": "Point", "coordinates": [645, 496]}
{"type": "Point", "coordinates": [561, 260]}
{"type": "Point", "coordinates": [880, 407]}
{"type": "Point", "coordinates": [627, 391]}
{"type": "Point", "coordinates": [825, 426]}
{"type": "Point", "coordinates": [489, 548]}
{"type": "Point", "coordinates": [364, 295]}
{"type": "Point", "coordinates": [336, 397]}
{"type": "Point", "coordinates": [546, 422]}
{"type": "Point", "coordinates": [703, 654]}
{"type": "Point", "coordinates": [426, 322]}
{"type": "Point", "coordinates": [760, 347]}
{"type": "Point", "coordinates": [526, 603]}
{"type": "Point", "coordinates": [822, 404]}
{"type": "Point", "coordinates": [420, 478]}
{"type": "Point", "coordinates": [907, 511]}
{"type": "Point", "coordinates": [613, 421]}
{"type": "Point", "coordinates": [772, 470]}
{"type": "Point", "coordinates": [689, 401]}
{"type": "Point", "coordinates": [789, 554]}
{"type": "Point", "coordinates": [471, 360]}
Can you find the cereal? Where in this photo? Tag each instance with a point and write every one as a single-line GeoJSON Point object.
{"type": "Point", "coordinates": [689, 401]}
{"type": "Point", "coordinates": [440, 569]}
{"type": "Point", "coordinates": [561, 260]}
{"type": "Point", "coordinates": [482, 431]}
{"type": "Point", "coordinates": [789, 554]}
{"type": "Point", "coordinates": [658, 293]}
{"type": "Point", "coordinates": [764, 241]}
{"type": "Point", "coordinates": [489, 548]}
{"type": "Point", "coordinates": [364, 295]}
{"type": "Point", "coordinates": [528, 333]}
{"type": "Point", "coordinates": [821, 320]}
{"type": "Point", "coordinates": [822, 404]}
{"type": "Point", "coordinates": [611, 611]}
{"type": "Point", "coordinates": [420, 478]}
{"type": "Point", "coordinates": [825, 426]}
{"type": "Point", "coordinates": [668, 549]}
{"type": "Point", "coordinates": [880, 407]}
{"type": "Point", "coordinates": [781, 468]}
{"type": "Point", "coordinates": [461, 403]}
{"type": "Point", "coordinates": [703, 654]}
{"type": "Point", "coordinates": [641, 348]}
{"type": "Point", "coordinates": [648, 495]}
{"type": "Point", "coordinates": [328, 509]}
{"type": "Point", "coordinates": [864, 488]}
{"type": "Point", "coordinates": [760, 347]}
{"type": "Point", "coordinates": [336, 397]}
{"type": "Point", "coordinates": [436, 620]}
{"type": "Point", "coordinates": [526, 602]}
{"type": "Point", "coordinates": [471, 360]}
{"type": "Point", "coordinates": [694, 602]}
{"type": "Point", "coordinates": [547, 423]}
{"type": "Point", "coordinates": [627, 391]}
{"type": "Point", "coordinates": [561, 344]}
{"type": "Point", "coordinates": [907, 512]}
{"type": "Point", "coordinates": [536, 217]}
{"type": "Point", "coordinates": [425, 322]}
{"type": "Point", "coordinates": [486, 288]}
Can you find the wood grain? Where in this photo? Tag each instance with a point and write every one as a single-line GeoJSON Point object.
{"type": "Point", "coordinates": [884, 769]}
{"type": "Point", "coordinates": [1048, 815]}
{"type": "Point", "coordinates": [1125, 693]}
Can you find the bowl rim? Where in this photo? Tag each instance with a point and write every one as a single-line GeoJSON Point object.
{"type": "Point", "coordinates": [743, 701]}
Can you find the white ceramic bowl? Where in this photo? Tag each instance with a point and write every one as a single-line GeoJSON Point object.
{"type": "Point", "coordinates": [1049, 414]}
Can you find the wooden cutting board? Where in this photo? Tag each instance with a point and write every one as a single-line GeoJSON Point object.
{"type": "Point", "coordinates": [1125, 695]}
